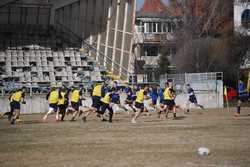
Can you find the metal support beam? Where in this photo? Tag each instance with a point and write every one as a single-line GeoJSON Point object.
{"type": "Point", "coordinates": [107, 35]}
{"type": "Point", "coordinates": [123, 36]}
{"type": "Point", "coordinates": [115, 36]}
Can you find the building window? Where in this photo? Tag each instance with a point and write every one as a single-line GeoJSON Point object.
{"type": "Point", "coordinates": [245, 19]}
{"type": "Point", "coordinates": [151, 51]}
{"type": "Point", "coordinates": [159, 28]}
{"type": "Point", "coordinates": [154, 27]}
{"type": "Point", "coordinates": [147, 27]}
{"type": "Point", "coordinates": [165, 27]}
{"type": "Point", "coordinates": [150, 27]}
{"type": "Point", "coordinates": [169, 27]}
{"type": "Point", "coordinates": [142, 27]}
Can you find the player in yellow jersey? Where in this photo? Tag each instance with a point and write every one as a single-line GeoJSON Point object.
{"type": "Point", "coordinates": [139, 102]}
{"type": "Point", "coordinates": [52, 98]}
{"type": "Point", "coordinates": [75, 101]}
{"type": "Point", "coordinates": [15, 104]}
{"type": "Point", "coordinates": [169, 99]}
{"type": "Point", "coordinates": [62, 103]}
{"type": "Point", "coordinates": [106, 104]}
{"type": "Point", "coordinates": [97, 93]}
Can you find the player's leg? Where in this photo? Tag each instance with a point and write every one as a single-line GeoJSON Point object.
{"type": "Point", "coordinates": [50, 111]}
{"type": "Point", "coordinates": [57, 113]}
{"type": "Point", "coordinates": [96, 105]}
{"type": "Point", "coordinates": [63, 112]}
{"type": "Point", "coordinates": [237, 113]}
{"type": "Point", "coordinates": [188, 103]}
{"type": "Point", "coordinates": [110, 109]}
{"type": "Point", "coordinates": [75, 106]}
{"type": "Point", "coordinates": [139, 110]}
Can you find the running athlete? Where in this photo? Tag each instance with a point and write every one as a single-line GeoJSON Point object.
{"type": "Point", "coordinates": [97, 93]}
{"type": "Point", "coordinates": [106, 104]}
{"type": "Point", "coordinates": [139, 102]}
{"type": "Point", "coordinates": [161, 96]}
{"type": "Point", "coordinates": [115, 99]}
{"type": "Point", "coordinates": [16, 98]}
{"type": "Point", "coordinates": [62, 103]}
{"type": "Point", "coordinates": [192, 98]}
{"type": "Point", "coordinates": [154, 96]}
{"type": "Point", "coordinates": [52, 98]}
{"type": "Point", "coordinates": [75, 100]}
{"type": "Point", "coordinates": [131, 96]}
{"type": "Point", "coordinates": [169, 96]}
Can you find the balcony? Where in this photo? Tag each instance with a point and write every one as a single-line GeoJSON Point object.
{"type": "Point", "coordinates": [154, 38]}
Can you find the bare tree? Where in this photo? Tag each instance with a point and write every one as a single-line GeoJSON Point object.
{"type": "Point", "coordinates": [205, 42]}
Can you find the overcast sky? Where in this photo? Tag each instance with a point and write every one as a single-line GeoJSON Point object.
{"type": "Point", "coordinates": [140, 3]}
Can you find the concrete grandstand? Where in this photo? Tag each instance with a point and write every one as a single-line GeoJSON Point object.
{"type": "Point", "coordinates": [43, 42]}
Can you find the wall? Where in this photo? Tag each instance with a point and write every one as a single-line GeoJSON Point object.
{"type": "Point", "coordinates": [26, 13]}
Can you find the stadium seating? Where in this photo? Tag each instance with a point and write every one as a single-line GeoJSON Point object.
{"type": "Point", "coordinates": [34, 55]}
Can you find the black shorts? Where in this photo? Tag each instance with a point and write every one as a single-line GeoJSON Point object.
{"type": "Point", "coordinates": [96, 102]}
{"type": "Point", "coordinates": [139, 105]}
{"type": "Point", "coordinates": [129, 102]}
{"type": "Point", "coordinates": [75, 105]}
{"type": "Point", "coordinates": [14, 105]}
{"type": "Point", "coordinates": [62, 108]}
{"type": "Point", "coordinates": [106, 107]}
{"type": "Point", "coordinates": [193, 99]}
{"type": "Point", "coordinates": [54, 106]}
{"type": "Point", "coordinates": [169, 103]}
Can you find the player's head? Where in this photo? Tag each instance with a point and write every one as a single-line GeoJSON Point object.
{"type": "Point", "coordinates": [146, 87]}
{"type": "Point", "coordinates": [170, 84]}
{"type": "Point", "coordinates": [188, 85]}
{"type": "Point", "coordinates": [166, 84]}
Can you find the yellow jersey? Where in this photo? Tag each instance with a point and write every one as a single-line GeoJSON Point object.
{"type": "Point", "coordinates": [140, 96]}
{"type": "Point", "coordinates": [97, 91]}
{"type": "Point", "coordinates": [61, 100]}
{"type": "Point", "coordinates": [106, 98]}
{"type": "Point", "coordinates": [167, 94]}
{"type": "Point", "coordinates": [75, 96]}
{"type": "Point", "coordinates": [53, 97]}
{"type": "Point", "coordinates": [17, 96]}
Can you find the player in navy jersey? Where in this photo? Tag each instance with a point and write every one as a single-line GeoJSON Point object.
{"type": "Point", "coordinates": [192, 98]}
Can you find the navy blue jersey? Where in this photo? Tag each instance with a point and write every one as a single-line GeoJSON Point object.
{"type": "Point", "coordinates": [190, 92]}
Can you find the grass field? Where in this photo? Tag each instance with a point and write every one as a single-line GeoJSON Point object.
{"type": "Point", "coordinates": [152, 142]}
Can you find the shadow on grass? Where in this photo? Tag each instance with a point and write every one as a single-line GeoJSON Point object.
{"type": "Point", "coordinates": [180, 117]}
{"type": "Point", "coordinates": [33, 122]}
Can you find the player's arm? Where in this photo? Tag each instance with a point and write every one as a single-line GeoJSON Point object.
{"type": "Point", "coordinates": [81, 96]}
{"type": "Point", "coordinates": [146, 97]}
{"type": "Point", "coordinates": [172, 93]}
{"type": "Point", "coordinates": [23, 98]}
{"type": "Point", "coordinates": [60, 94]}
{"type": "Point", "coordinates": [47, 96]}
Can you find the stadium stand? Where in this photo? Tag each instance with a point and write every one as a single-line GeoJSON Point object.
{"type": "Point", "coordinates": [38, 55]}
